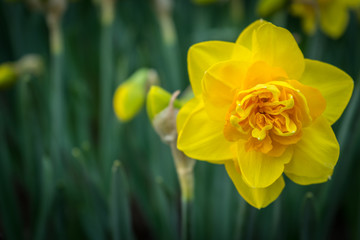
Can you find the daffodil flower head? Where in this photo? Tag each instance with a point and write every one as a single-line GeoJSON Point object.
{"type": "Point", "coordinates": [263, 110]}
{"type": "Point", "coordinates": [129, 97]}
{"type": "Point", "coordinates": [331, 15]}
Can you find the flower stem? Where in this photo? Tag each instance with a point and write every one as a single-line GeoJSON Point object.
{"type": "Point", "coordinates": [184, 168]}
{"type": "Point", "coordinates": [185, 219]}
{"type": "Point", "coordinates": [106, 80]}
{"type": "Point", "coordinates": [56, 107]}
{"type": "Point", "coordinates": [165, 126]}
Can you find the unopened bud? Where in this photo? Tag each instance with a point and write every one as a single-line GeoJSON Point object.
{"type": "Point", "coordinates": [165, 122]}
{"type": "Point", "coordinates": [129, 97]}
{"type": "Point", "coordinates": [29, 64]}
{"type": "Point", "coordinates": [157, 100]}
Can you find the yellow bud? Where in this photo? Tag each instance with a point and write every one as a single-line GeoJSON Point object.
{"type": "Point", "coordinates": [157, 100]}
{"type": "Point", "coordinates": [8, 74]}
{"type": "Point", "coordinates": [129, 97]}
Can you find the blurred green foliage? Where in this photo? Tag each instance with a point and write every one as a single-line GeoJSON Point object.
{"type": "Point", "coordinates": [70, 170]}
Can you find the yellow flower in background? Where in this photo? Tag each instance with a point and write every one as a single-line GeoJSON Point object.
{"type": "Point", "coordinates": [204, 2]}
{"type": "Point", "coordinates": [263, 110]}
{"type": "Point", "coordinates": [266, 7]}
{"type": "Point", "coordinates": [332, 15]}
{"type": "Point", "coordinates": [129, 97]}
{"type": "Point", "coordinates": [8, 74]}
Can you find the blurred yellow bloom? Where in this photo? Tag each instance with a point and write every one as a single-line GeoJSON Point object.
{"type": "Point", "coordinates": [266, 7]}
{"type": "Point", "coordinates": [263, 110]}
{"type": "Point", "coordinates": [332, 15]}
{"type": "Point", "coordinates": [203, 2]}
{"type": "Point", "coordinates": [129, 97]}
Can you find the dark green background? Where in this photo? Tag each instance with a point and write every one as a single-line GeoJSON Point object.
{"type": "Point", "coordinates": [73, 190]}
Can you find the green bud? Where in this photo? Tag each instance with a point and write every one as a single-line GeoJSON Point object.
{"type": "Point", "coordinates": [157, 100]}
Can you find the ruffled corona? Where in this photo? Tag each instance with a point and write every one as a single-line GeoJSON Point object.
{"type": "Point", "coordinates": [269, 116]}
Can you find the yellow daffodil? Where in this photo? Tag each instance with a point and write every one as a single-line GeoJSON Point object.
{"type": "Point", "coordinates": [263, 110]}
{"type": "Point", "coordinates": [332, 15]}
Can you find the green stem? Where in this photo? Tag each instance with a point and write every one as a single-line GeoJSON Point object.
{"type": "Point", "coordinates": [26, 153]}
{"type": "Point", "coordinates": [106, 80]}
{"type": "Point", "coordinates": [185, 210]}
{"type": "Point", "coordinates": [56, 107]}
{"type": "Point", "coordinates": [170, 43]}
{"type": "Point", "coordinates": [242, 213]}
{"type": "Point", "coordinates": [184, 168]}
{"type": "Point", "coordinates": [55, 167]}
{"type": "Point", "coordinates": [119, 203]}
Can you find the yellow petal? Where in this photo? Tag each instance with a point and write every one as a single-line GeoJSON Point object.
{"type": "Point", "coordinates": [218, 85]}
{"type": "Point", "coordinates": [257, 197]}
{"type": "Point", "coordinates": [246, 37]}
{"type": "Point", "coordinates": [315, 155]}
{"type": "Point", "coordinates": [334, 84]}
{"type": "Point", "coordinates": [202, 56]}
{"type": "Point", "coordinates": [186, 110]}
{"type": "Point", "coordinates": [277, 47]}
{"type": "Point", "coordinates": [334, 18]}
{"type": "Point", "coordinates": [261, 170]}
{"type": "Point", "coordinates": [201, 138]}
{"type": "Point", "coordinates": [308, 180]}
{"type": "Point", "coordinates": [260, 72]}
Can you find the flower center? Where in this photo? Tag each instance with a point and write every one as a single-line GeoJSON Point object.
{"type": "Point", "coordinates": [268, 116]}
